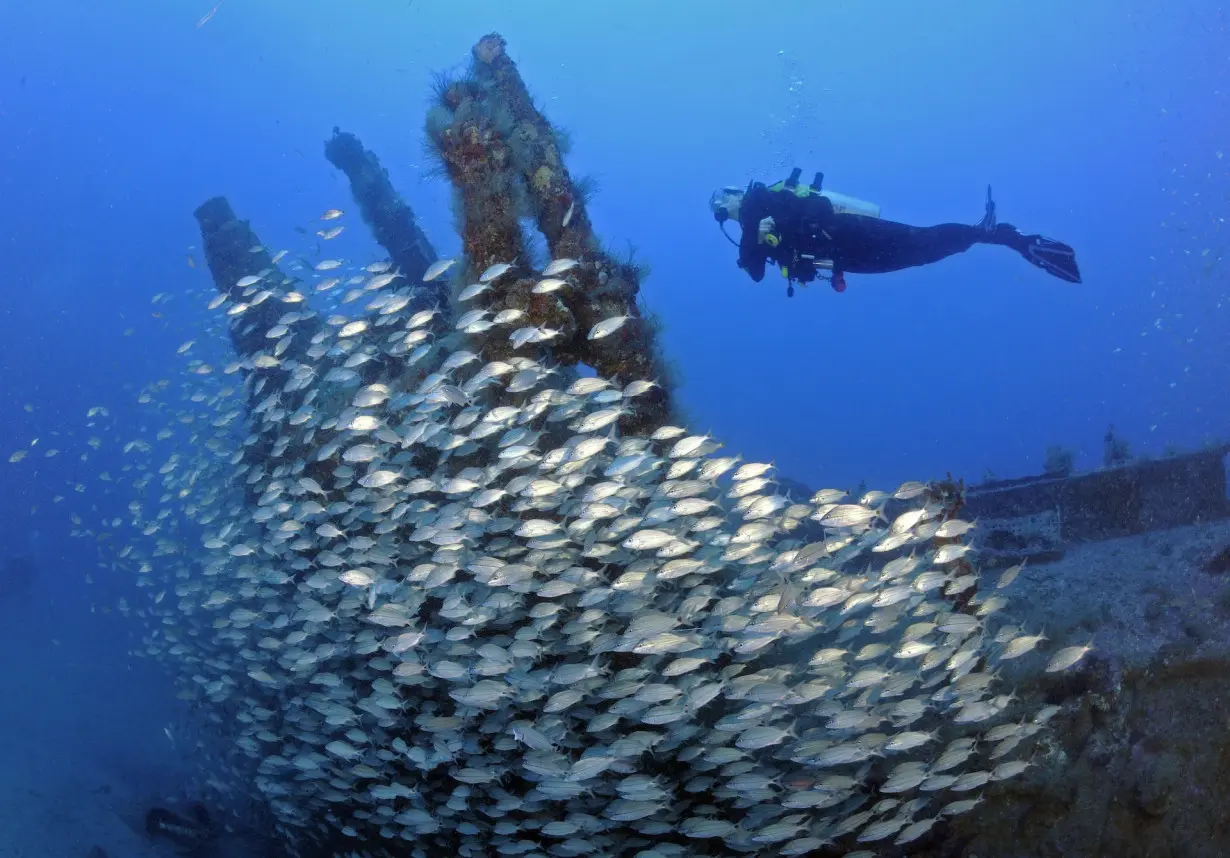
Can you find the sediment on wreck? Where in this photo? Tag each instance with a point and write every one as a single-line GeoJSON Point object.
{"type": "Point", "coordinates": [387, 215]}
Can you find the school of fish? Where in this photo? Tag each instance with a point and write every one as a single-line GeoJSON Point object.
{"type": "Point", "coordinates": [449, 606]}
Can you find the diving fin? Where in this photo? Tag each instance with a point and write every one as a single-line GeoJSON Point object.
{"type": "Point", "coordinates": [1053, 257]}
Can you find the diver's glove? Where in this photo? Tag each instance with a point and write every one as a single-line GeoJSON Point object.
{"type": "Point", "coordinates": [764, 232]}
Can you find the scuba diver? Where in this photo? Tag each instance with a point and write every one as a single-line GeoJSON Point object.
{"type": "Point", "coordinates": [804, 230]}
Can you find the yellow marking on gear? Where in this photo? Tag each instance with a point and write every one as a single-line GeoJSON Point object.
{"type": "Point", "coordinates": [799, 190]}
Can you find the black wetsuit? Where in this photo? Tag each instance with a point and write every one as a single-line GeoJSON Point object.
{"type": "Point", "coordinates": [807, 230]}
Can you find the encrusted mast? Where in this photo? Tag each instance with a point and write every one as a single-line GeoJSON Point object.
{"type": "Point", "coordinates": [386, 214]}
{"type": "Point", "coordinates": [228, 244]}
{"type": "Point", "coordinates": [504, 159]}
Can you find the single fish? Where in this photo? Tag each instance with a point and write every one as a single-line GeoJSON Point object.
{"type": "Point", "coordinates": [494, 272]}
{"type": "Point", "coordinates": [559, 266]}
{"type": "Point", "coordinates": [437, 268]}
{"type": "Point", "coordinates": [204, 18]}
{"type": "Point", "coordinates": [473, 291]}
{"type": "Point", "coordinates": [548, 285]}
{"type": "Point", "coordinates": [1067, 657]}
{"type": "Point", "coordinates": [607, 327]}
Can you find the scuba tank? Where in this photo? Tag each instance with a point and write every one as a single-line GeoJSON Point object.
{"type": "Point", "coordinates": [843, 204]}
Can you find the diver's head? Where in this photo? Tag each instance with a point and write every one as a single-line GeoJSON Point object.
{"type": "Point", "coordinates": [725, 204]}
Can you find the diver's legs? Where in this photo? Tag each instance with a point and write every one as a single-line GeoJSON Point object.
{"type": "Point", "coordinates": [869, 245]}
{"type": "Point", "coordinates": [873, 246]}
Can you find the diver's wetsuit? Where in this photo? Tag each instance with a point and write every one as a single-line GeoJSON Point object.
{"type": "Point", "coordinates": [807, 229]}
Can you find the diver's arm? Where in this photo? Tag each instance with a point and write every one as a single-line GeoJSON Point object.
{"type": "Point", "coordinates": [752, 255]}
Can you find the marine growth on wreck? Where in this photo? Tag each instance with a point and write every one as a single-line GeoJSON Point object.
{"type": "Point", "coordinates": [454, 596]}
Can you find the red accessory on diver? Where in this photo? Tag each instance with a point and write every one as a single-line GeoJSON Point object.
{"type": "Point", "coordinates": [839, 282]}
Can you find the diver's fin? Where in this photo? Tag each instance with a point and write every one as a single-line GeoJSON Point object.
{"type": "Point", "coordinates": [1053, 257]}
{"type": "Point", "coordinates": [987, 224]}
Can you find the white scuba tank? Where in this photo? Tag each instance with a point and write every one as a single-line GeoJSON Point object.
{"type": "Point", "coordinates": [843, 204]}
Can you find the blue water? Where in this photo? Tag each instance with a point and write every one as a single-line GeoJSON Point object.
{"type": "Point", "coordinates": [1099, 123]}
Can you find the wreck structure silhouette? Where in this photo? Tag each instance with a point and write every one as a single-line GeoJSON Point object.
{"type": "Point", "coordinates": [506, 164]}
